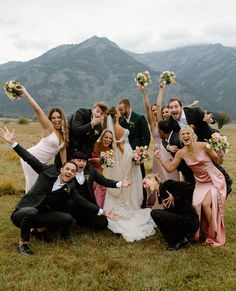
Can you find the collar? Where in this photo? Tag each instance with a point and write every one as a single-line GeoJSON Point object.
{"type": "Point", "coordinates": [169, 137]}
{"type": "Point", "coordinates": [128, 118]}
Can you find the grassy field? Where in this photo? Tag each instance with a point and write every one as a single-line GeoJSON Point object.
{"type": "Point", "coordinates": [102, 260]}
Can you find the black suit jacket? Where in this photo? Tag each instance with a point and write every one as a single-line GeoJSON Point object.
{"type": "Point", "coordinates": [91, 175]}
{"type": "Point", "coordinates": [48, 174]}
{"type": "Point", "coordinates": [81, 133]}
{"type": "Point", "coordinates": [182, 193]}
{"type": "Point", "coordinates": [139, 134]}
{"type": "Point", "coordinates": [194, 118]}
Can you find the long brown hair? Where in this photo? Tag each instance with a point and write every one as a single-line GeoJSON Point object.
{"type": "Point", "coordinates": [64, 132]}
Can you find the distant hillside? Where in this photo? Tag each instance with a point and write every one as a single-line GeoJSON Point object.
{"type": "Point", "coordinates": [208, 70]}
{"type": "Point", "coordinates": [73, 76]}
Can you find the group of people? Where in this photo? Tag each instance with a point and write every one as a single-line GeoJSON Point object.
{"type": "Point", "coordinates": [184, 197]}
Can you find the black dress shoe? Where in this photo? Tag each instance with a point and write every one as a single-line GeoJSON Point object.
{"type": "Point", "coordinates": [180, 244]}
{"type": "Point", "coordinates": [24, 250]}
{"type": "Point", "coordinates": [42, 236]}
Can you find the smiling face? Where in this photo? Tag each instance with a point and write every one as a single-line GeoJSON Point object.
{"type": "Point", "coordinates": [107, 139]}
{"type": "Point", "coordinates": [165, 112]}
{"type": "Point", "coordinates": [150, 184]}
{"type": "Point", "coordinates": [187, 135]}
{"type": "Point", "coordinates": [175, 109]}
{"type": "Point", "coordinates": [68, 171]}
{"type": "Point", "coordinates": [56, 120]}
{"type": "Point", "coordinates": [98, 112]}
{"type": "Point", "coordinates": [80, 163]}
{"type": "Point", "coordinates": [123, 109]}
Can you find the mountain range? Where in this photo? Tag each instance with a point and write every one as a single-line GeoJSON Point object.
{"type": "Point", "coordinates": [77, 75]}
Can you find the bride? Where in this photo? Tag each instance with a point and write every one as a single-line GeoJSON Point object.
{"type": "Point", "coordinates": [134, 223]}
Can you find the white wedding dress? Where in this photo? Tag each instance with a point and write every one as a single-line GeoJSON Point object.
{"type": "Point", "coordinates": [134, 223]}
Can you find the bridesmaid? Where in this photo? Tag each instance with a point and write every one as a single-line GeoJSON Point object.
{"type": "Point", "coordinates": [154, 115]}
{"type": "Point", "coordinates": [54, 137]}
{"type": "Point", "coordinates": [210, 188]}
{"type": "Point", "coordinates": [104, 143]}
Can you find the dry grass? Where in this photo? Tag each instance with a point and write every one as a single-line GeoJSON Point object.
{"type": "Point", "coordinates": [102, 260]}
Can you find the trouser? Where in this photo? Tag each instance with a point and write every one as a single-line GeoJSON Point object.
{"type": "Point", "coordinates": [30, 217]}
{"type": "Point", "coordinates": [144, 202]}
{"type": "Point", "coordinates": [86, 217]}
{"type": "Point", "coordinates": [175, 227]}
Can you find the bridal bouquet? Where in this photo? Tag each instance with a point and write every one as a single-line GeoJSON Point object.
{"type": "Point", "coordinates": [107, 159]}
{"type": "Point", "coordinates": [218, 143]}
{"type": "Point", "coordinates": [143, 79]}
{"type": "Point", "coordinates": [140, 154]}
{"type": "Point", "coordinates": [10, 89]}
{"type": "Point", "coordinates": [167, 78]}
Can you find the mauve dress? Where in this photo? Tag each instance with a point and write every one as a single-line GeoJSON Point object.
{"type": "Point", "coordinates": [209, 178]}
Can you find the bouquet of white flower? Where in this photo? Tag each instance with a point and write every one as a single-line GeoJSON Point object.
{"type": "Point", "coordinates": [140, 154]}
{"type": "Point", "coordinates": [10, 89]}
{"type": "Point", "coordinates": [167, 78]}
{"type": "Point", "coordinates": [143, 79]}
{"type": "Point", "coordinates": [107, 159]}
{"type": "Point", "coordinates": [218, 143]}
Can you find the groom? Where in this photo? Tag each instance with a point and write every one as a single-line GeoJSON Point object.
{"type": "Point", "coordinates": [139, 134]}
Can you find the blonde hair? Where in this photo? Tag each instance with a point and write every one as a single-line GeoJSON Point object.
{"type": "Point", "coordinates": [190, 129]}
{"type": "Point", "coordinates": [155, 176]}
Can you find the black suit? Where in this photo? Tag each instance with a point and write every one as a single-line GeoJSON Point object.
{"type": "Point", "coordinates": [83, 215]}
{"type": "Point", "coordinates": [183, 168]}
{"type": "Point", "coordinates": [81, 133]}
{"type": "Point", "coordinates": [178, 221]}
{"type": "Point", "coordinates": [194, 117]}
{"type": "Point", "coordinates": [139, 135]}
{"type": "Point", "coordinates": [41, 207]}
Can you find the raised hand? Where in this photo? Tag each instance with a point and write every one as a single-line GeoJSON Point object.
{"type": "Point", "coordinates": [6, 135]}
{"type": "Point", "coordinates": [207, 117]}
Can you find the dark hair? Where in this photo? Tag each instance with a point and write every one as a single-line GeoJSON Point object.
{"type": "Point", "coordinates": [166, 125]}
{"type": "Point", "coordinates": [69, 162]}
{"type": "Point", "coordinates": [175, 99]}
{"type": "Point", "coordinates": [112, 112]}
{"type": "Point", "coordinates": [79, 155]}
{"type": "Point", "coordinates": [125, 102]}
{"type": "Point", "coordinates": [64, 125]}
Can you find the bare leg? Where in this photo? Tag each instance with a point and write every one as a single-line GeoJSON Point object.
{"type": "Point", "coordinates": [206, 207]}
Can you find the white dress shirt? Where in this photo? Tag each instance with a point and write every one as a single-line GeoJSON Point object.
{"type": "Point", "coordinates": [183, 121]}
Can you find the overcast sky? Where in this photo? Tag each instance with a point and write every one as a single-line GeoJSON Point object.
{"type": "Point", "coordinates": [28, 28]}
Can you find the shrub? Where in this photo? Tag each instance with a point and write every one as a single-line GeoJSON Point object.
{"type": "Point", "coordinates": [23, 120]}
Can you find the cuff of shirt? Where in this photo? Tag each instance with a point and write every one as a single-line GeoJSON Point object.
{"type": "Point", "coordinates": [119, 185]}
{"type": "Point", "coordinates": [14, 145]}
{"type": "Point", "coordinates": [100, 212]}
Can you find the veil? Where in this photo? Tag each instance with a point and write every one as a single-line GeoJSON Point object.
{"type": "Point", "coordinates": [110, 126]}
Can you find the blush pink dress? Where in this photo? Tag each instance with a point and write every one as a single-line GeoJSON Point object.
{"type": "Point", "coordinates": [209, 178]}
{"type": "Point", "coordinates": [44, 151]}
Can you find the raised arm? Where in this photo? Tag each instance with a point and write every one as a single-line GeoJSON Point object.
{"type": "Point", "coordinates": [147, 105]}
{"type": "Point", "coordinates": [8, 136]}
{"type": "Point", "coordinates": [159, 102]}
{"type": "Point", "coordinates": [45, 123]}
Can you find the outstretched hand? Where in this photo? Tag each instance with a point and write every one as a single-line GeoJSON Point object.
{"type": "Point", "coordinates": [111, 215]}
{"type": "Point", "coordinates": [126, 183]}
{"type": "Point", "coordinates": [6, 135]}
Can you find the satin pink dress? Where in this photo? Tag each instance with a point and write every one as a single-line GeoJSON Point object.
{"type": "Point", "coordinates": [209, 178]}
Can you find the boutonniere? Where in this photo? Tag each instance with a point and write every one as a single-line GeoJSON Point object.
{"type": "Point", "coordinates": [131, 124]}
{"type": "Point", "coordinates": [96, 132]}
{"type": "Point", "coordinates": [87, 177]}
{"type": "Point", "coordinates": [67, 190]}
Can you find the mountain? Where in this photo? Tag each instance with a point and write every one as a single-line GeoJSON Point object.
{"type": "Point", "coordinates": [208, 70]}
{"type": "Point", "coordinates": [77, 75]}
